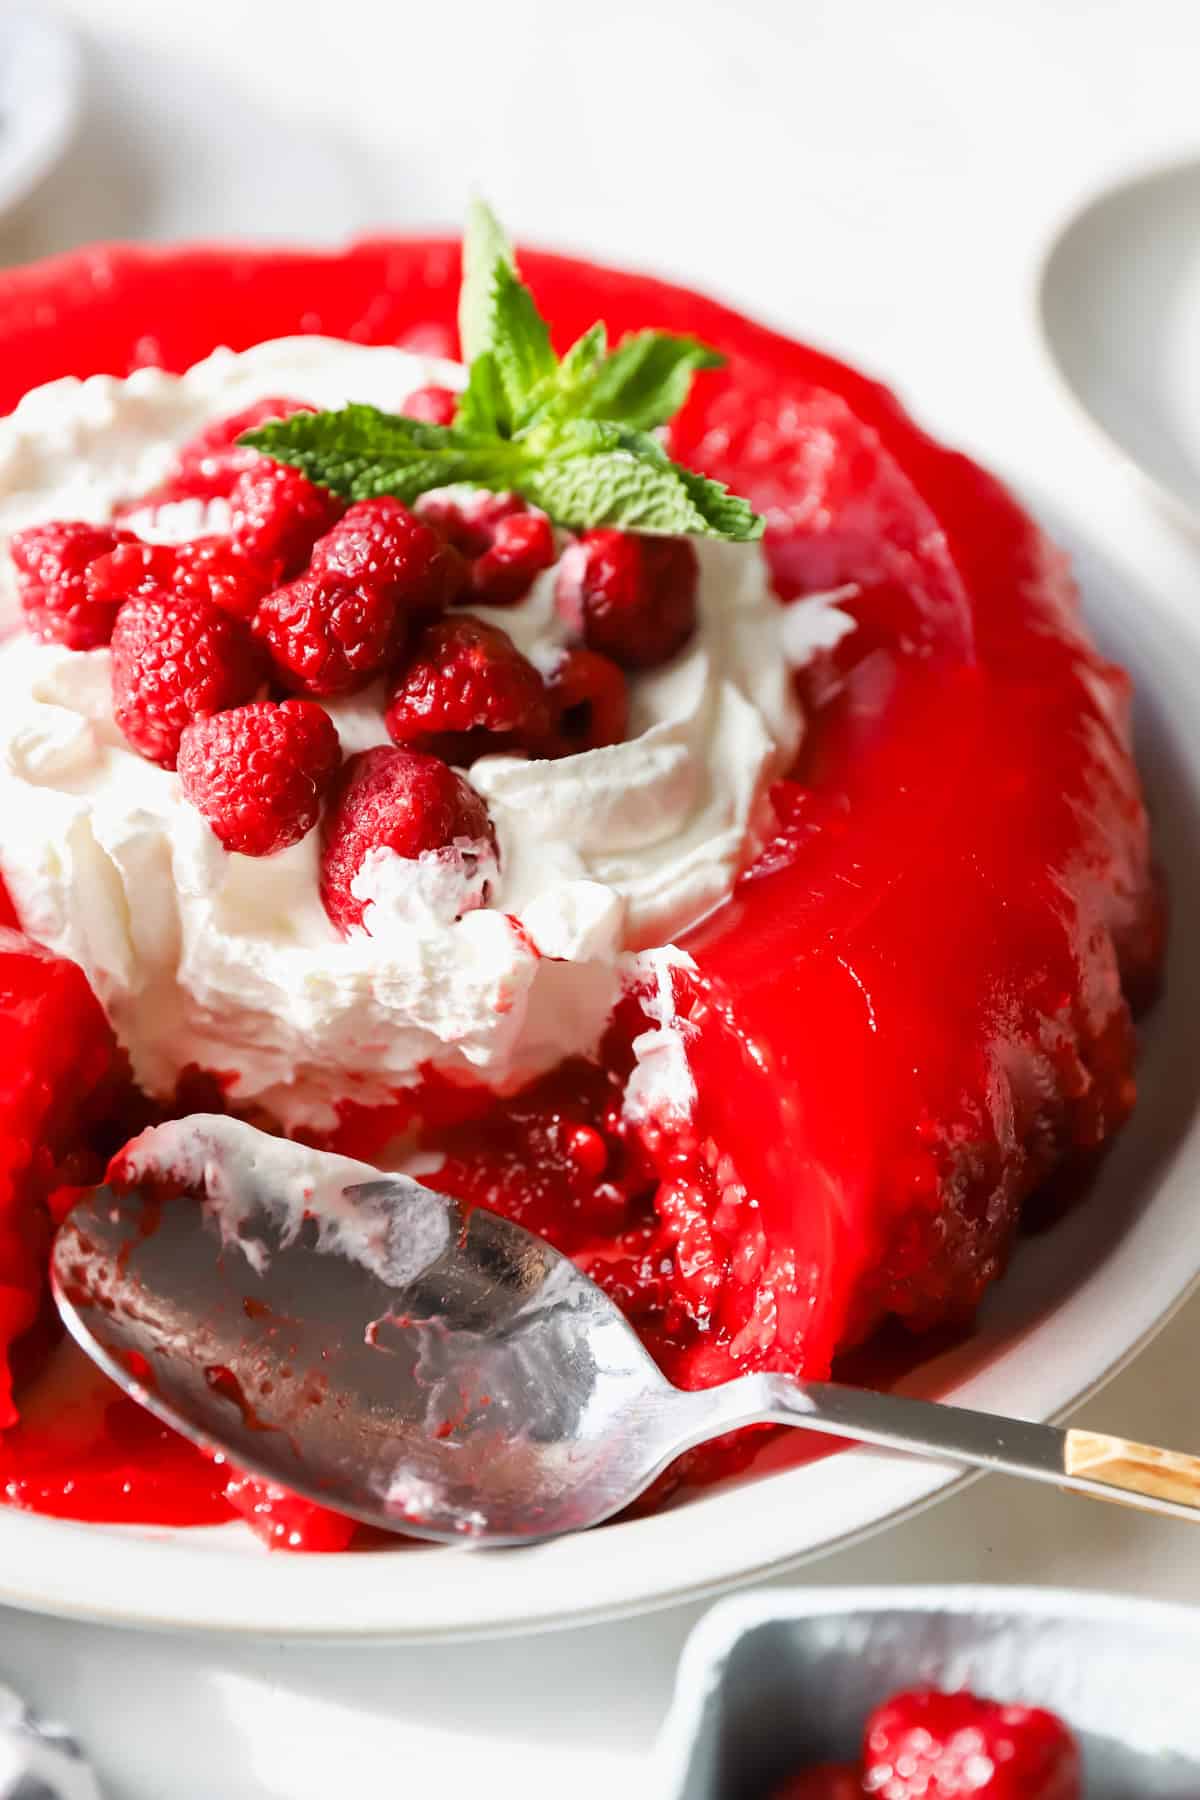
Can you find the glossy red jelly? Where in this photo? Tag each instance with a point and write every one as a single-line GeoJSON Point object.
{"type": "Point", "coordinates": [916, 1005]}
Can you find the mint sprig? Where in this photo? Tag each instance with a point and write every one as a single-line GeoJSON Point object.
{"type": "Point", "coordinates": [361, 452]}
{"type": "Point", "coordinates": [574, 435]}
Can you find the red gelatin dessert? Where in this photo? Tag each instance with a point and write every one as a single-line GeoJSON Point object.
{"type": "Point", "coordinates": [762, 923]}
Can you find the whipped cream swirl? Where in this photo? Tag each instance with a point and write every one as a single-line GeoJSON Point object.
{"type": "Point", "coordinates": [485, 972]}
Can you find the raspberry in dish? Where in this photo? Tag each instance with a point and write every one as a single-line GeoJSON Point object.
{"type": "Point", "coordinates": [521, 547]}
{"type": "Point", "coordinates": [175, 660]}
{"type": "Point", "coordinates": [468, 518]}
{"type": "Point", "coordinates": [326, 636]}
{"type": "Point", "coordinates": [939, 1746]}
{"type": "Point", "coordinates": [51, 563]}
{"type": "Point", "coordinates": [506, 543]}
{"type": "Point", "coordinates": [466, 691]}
{"type": "Point", "coordinates": [786, 992]}
{"type": "Point", "coordinates": [631, 598]}
{"type": "Point", "coordinates": [260, 773]}
{"type": "Point", "coordinates": [206, 568]}
{"type": "Point", "coordinates": [406, 808]}
{"type": "Point", "coordinates": [927, 1745]}
{"type": "Point", "coordinates": [589, 701]}
{"type": "Point", "coordinates": [347, 619]}
{"type": "Point", "coordinates": [383, 545]}
{"type": "Point", "coordinates": [208, 464]}
{"type": "Point", "coordinates": [276, 516]}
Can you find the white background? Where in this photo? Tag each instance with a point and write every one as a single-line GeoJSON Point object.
{"type": "Point", "coordinates": [876, 175]}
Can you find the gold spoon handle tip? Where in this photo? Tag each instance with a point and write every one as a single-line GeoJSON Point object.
{"type": "Point", "coordinates": [1132, 1470]}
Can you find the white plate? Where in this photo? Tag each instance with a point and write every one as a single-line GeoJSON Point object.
{"type": "Point", "coordinates": [40, 99]}
{"type": "Point", "coordinates": [1075, 1305]}
{"type": "Point", "coordinates": [1119, 307]}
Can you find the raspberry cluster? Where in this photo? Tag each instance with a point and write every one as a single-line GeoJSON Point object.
{"type": "Point", "coordinates": [222, 648]}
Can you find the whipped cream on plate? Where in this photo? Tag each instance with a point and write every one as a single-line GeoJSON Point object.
{"type": "Point", "coordinates": [492, 973]}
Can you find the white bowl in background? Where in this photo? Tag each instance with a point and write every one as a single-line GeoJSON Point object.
{"type": "Point", "coordinates": [1118, 304]}
{"type": "Point", "coordinates": [40, 98]}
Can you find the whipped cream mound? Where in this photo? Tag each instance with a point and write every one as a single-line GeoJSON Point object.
{"type": "Point", "coordinates": [486, 969]}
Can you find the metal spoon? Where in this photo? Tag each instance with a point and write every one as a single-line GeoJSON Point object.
{"type": "Point", "coordinates": [445, 1373]}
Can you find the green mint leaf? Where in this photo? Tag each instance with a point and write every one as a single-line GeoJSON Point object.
{"type": "Point", "coordinates": [482, 405]}
{"type": "Point", "coordinates": [520, 346]}
{"type": "Point", "coordinates": [584, 472]}
{"type": "Point", "coordinates": [726, 515]}
{"type": "Point", "coordinates": [646, 379]}
{"type": "Point", "coordinates": [599, 474]}
{"type": "Point", "coordinates": [485, 245]}
{"type": "Point", "coordinates": [498, 318]}
{"type": "Point", "coordinates": [583, 361]}
{"type": "Point", "coordinates": [561, 395]}
{"type": "Point", "coordinates": [572, 436]}
{"type": "Point", "coordinates": [360, 453]}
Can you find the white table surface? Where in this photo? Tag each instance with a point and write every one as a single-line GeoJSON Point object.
{"type": "Point", "coordinates": [877, 176]}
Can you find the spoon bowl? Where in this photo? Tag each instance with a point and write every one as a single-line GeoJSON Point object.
{"type": "Point", "coordinates": [467, 1381]}
{"type": "Point", "coordinates": [438, 1370]}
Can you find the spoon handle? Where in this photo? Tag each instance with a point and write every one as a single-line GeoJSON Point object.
{"type": "Point", "coordinates": [1087, 1462]}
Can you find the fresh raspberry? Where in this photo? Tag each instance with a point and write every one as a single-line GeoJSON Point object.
{"type": "Point", "coordinates": [276, 515]}
{"type": "Point", "coordinates": [259, 773]}
{"type": "Point", "coordinates": [326, 636]}
{"type": "Point", "coordinates": [522, 546]}
{"type": "Point", "coordinates": [207, 568]}
{"type": "Point", "coordinates": [436, 405]}
{"type": "Point", "coordinates": [468, 521]}
{"type": "Point", "coordinates": [213, 568]}
{"type": "Point", "coordinates": [51, 562]}
{"type": "Point", "coordinates": [506, 542]}
{"type": "Point", "coordinates": [223, 434]}
{"type": "Point", "coordinates": [589, 700]}
{"type": "Point", "coordinates": [466, 691]}
{"type": "Point", "coordinates": [381, 543]}
{"type": "Point", "coordinates": [130, 571]}
{"type": "Point", "coordinates": [631, 596]}
{"type": "Point", "coordinates": [825, 1781]}
{"type": "Point", "coordinates": [397, 800]}
{"type": "Point", "coordinates": [211, 461]}
{"type": "Point", "coordinates": [175, 660]}
{"type": "Point", "coordinates": [930, 1746]}
{"type": "Point", "coordinates": [283, 1520]}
